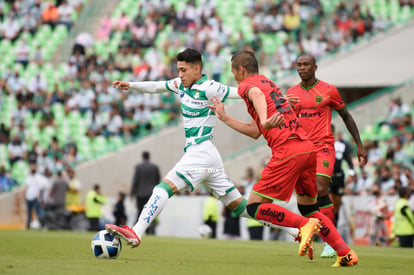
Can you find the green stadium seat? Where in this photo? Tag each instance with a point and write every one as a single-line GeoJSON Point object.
{"type": "Point", "coordinates": [19, 171]}
{"type": "Point", "coordinates": [116, 143]}
{"type": "Point", "coordinates": [100, 146]}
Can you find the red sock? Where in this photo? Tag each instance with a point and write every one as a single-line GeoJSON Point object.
{"type": "Point", "coordinates": [330, 235]}
{"type": "Point", "coordinates": [279, 215]}
{"type": "Point", "coordinates": [329, 212]}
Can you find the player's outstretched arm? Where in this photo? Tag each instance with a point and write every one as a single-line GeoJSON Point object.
{"type": "Point", "coordinates": [248, 129]}
{"type": "Point", "coordinates": [151, 87]}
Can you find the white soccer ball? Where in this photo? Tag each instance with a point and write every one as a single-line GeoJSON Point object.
{"type": "Point", "coordinates": [205, 231]}
{"type": "Point", "coordinates": [105, 246]}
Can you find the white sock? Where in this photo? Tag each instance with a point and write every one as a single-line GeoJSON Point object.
{"type": "Point", "coordinates": [152, 209]}
{"type": "Point", "coordinates": [292, 231]}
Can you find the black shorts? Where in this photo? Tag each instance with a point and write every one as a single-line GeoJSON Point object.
{"type": "Point", "coordinates": [337, 183]}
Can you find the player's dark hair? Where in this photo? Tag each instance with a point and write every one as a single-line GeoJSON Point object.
{"type": "Point", "coordinates": [245, 59]}
{"type": "Point", "coordinates": [307, 55]}
{"type": "Point", "coordinates": [190, 56]}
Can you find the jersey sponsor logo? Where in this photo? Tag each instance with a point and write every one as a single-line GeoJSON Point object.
{"type": "Point", "coordinates": [291, 124]}
{"type": "Point", "coordinates": [318, 99]}
{"type": "Point", "coordinates": [273, 214]}
{"type": "Point", "coordinates": [181, 94]}
{"type": "Point", "coordinates": [308, 115]}
{"type": "Point", "coordinates": [189, 113]}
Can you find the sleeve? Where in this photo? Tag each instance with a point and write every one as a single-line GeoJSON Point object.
{"type": "Point", "coordinates": [150, 87]}
{"type": "Point", "coordinates": [219, 90]}
{"type": "Point", "coordinates": [173, 85]}
{"type": "Point", "coordinates": [336, 101]}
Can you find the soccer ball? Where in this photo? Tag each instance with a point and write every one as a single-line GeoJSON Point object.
{"type": "Point", "coordinates": [105, 246]}
{"type": "Point", "coordinates": [205, 231]}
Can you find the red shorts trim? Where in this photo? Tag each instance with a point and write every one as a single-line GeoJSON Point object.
{"type": "Point", "coordinates": [292, 167]}
{"type": "Point", "coordinates": [325, 159]}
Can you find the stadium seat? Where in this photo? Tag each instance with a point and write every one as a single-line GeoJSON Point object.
{"type": "Point", "coordinates": [19, 171]}
{"type": "Point", "coordinates": [100, 146]}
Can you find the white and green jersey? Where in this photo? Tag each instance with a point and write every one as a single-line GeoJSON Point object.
{"type": "Point", "coordinates": [199, 120]}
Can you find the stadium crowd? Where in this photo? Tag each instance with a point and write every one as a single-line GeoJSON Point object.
{"type": "Point", "coordinates": [59, 122]}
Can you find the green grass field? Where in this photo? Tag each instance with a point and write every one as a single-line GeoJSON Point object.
{"type": "Point", "coordinates": [62, 252]}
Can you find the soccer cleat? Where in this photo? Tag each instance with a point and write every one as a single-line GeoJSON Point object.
{"type": "Point", "coordinates": [328, 251]}
{"type": "Point", "coordinates": [310, 252]}
{"type": "Point", "coordinates": [349, 259]}
{"type": "Point", "coordinates": [306, 233]}
{"type": "Point", "coordinates": [126, 233]}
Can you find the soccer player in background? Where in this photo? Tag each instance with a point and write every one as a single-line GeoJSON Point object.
{"type": "Point", "coordinates": [343, 152]}
{"type": "Point", "coordinates": [293, 163]}
{"type": "Point", "coordinates": [201, 162]}
{"type": "Point", "coordinates": [317, 100]}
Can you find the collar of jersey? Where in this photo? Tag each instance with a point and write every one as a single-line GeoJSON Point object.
{"type": "Point", "coordinates": [311, 86]}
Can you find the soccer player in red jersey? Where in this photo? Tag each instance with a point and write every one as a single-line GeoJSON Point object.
{"type": "Point", "coordinates": [317, 99]}
{"type": "Point", "coordinates": [293, 163]}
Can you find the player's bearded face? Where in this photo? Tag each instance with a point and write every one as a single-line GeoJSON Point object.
{"type": "Point", "coordinates": [189, 73]}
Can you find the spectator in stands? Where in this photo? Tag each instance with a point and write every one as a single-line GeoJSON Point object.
{"type": "Point", "coordinates": [56, 96]}
{"type": "Point", "coordinates": [364, 183]}
{"type": "Point", "coordinates": [114, 125]}
{"type": "Point", "coordinates": [33, 153]}
{"type": "Point", "coordinates": [72, 157]}
{"type": "Point", "coordinates": [130, 127]}
{"type": "Point", "coordinates": [19, 114]}
{"type": "Point", "coordinates": [4, 133]}
{"type": "Point", "coordinates": [50, 15]}
{"type": "Point", "coordinates": [85, 97]}
{"type": "Point", "coordinates": [94, 123]}
{"type": "Point", "coordinates": [17, 150]}
{"type": "Point", "coordinates": [11, 27]}
{"type": "Point", "coordinates": [22, 52]}
{"type": "Point", "coordinates": [105, 28]}
{"type": "Point", "coordinates": [37, 56]}
{"type": "Point", "coordinates": [384, 180]}
{"type": "Point", "coordinates": [291, 22]}
{"type": "Point", "coordinates": [123, 60]}
{"type": "Point", "coordinates": [16, 84]}
{"type": "Point", "coordinates": [37, 88]}
{"type": "Point", "coordinates": [66, 12]}
{"type": "Point", "coordinates": [397, 111]}
{"type": "Point", "coordinates": [122, 22]}
{"type": "Point", "coordinates": [6, 183]}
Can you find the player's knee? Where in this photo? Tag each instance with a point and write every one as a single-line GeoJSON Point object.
{"type": "Point", "coordinates": [307, 210]}
{"type": "Point", "coordinates": [252, 209]}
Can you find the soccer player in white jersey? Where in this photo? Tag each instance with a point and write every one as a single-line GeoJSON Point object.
{"type": "Point", "coordinates": [201, 161]}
